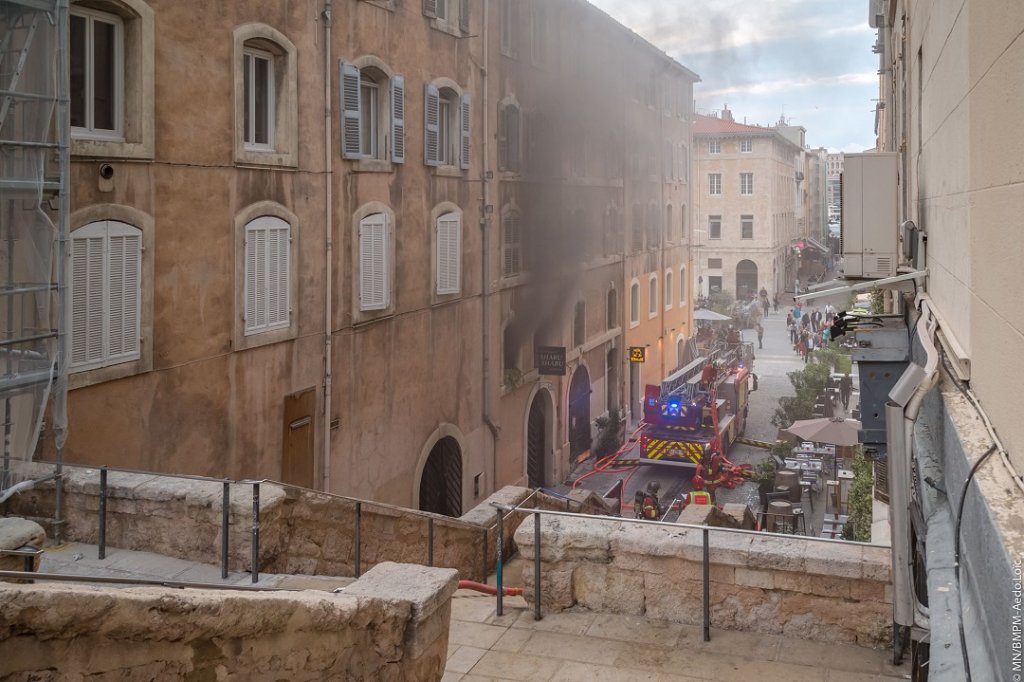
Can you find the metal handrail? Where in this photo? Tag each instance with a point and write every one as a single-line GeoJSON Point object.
{"type": "Point", "coordinates": [145, 582]}
{"type": "Point", "coordinates": [705, 536]}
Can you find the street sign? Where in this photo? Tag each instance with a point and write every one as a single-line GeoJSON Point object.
{"type": "Point", "coordinates": [637, 354]}
{"type": "Point", "coordinates": [551, 360]}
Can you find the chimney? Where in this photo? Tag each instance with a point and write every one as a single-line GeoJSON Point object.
{"type": "Point", "coordinates": [726, 114]}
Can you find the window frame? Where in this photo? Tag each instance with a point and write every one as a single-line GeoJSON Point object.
{"type": "Point", "coordinates": [387, 120]}
{"type": "Point", "coordinates": [669, 284]}
{"type": "Point", "coordinates": [136, 138]}
{"type": "Point", "coordinates": [745, 219]}
{"type": "Point", "coordinates": [509, 27]}
{"type": "Point", "coordinates": [283, 149]}
{"type": "Point", "coordinates": [455, 130]}
{"type": "Point", "coordinates": [682, 285]}
{"type": "Point", "coordinates": [713, 220]}
{"type": "Point", "coordinates": [746, 145]}
{"type": "Point", "coordinates": [243, 338]}
{"type": "Point", "coordinates": [746, 184]}
{"type": "Point", "coordinates": [714, 145]}
{"type": "Point", "coordinates": [250, 55]}
{"type": "Point", "coordinates": [88, 376]}
{"type": "Point", "coordinates": [89, 131]}
{"type": "Point", "coordinates": [373, 306]}
{"type": "Point", "coordinates": [714, 183]}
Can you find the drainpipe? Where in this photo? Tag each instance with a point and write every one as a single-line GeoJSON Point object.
{"type": "Point", "coordinates": [485, 251]}
{"type": "Point", "coordinates": [328, 246]}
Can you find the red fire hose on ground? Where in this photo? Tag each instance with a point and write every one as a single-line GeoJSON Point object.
{"type": "Point", "coordinates": [489, 589]}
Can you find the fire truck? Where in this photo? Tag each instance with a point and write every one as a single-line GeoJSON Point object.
{"type": "Point", "coordinates": [699, 409]}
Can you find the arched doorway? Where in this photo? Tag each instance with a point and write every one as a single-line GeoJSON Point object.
{"type": "Point", "coordinates": [538, 436]}
{"type": "Point", "coordinates": [579, 413]}
{"type": "Point", "coordinates": [746, 279]}
{"type": "Point", "coordinates": [441, 482]}
{"type": "Point", "coordinates": [612, 380]}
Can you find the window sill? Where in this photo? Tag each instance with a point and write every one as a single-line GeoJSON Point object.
{"type": "Point", "coordinates": [443, 26]}
{"type": "Point", "coordinates": [90, 377]}
{"type": "Point", "coordinates": [264, 338]}
{"type": "Point", "coordinates": [264, 158]}
{"type": "Point", "coordinates": [633, 324]}
{"type": "Point", "coordinates": [108, 148]}
{"type": "Point", "coordinates": [372, 166]}
{"type": "Point", "coordinates": [389, 5]}
{"type": "Point", "coordinates": [447, 172]}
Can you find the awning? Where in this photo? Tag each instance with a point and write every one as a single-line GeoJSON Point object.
{"type": "Point", "coordinates": [816, 244]}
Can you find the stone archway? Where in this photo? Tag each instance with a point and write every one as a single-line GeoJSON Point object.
{"type": "Point", "coordinates": [441, 480]}
{"type": "Point", "coordinates": [746, 279]}
{"type": "Point", "coordinates": [579, 413]}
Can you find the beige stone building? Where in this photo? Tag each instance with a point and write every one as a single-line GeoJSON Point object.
{"type": "Point", "coordinates": [352, 302]}
{"type": "Point", "coordinates": [951, 90]}
{"type": "Point", "coordinates": [749, 206]}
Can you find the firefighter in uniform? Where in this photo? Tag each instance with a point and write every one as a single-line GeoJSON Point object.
{"type": "Point", "coordinates": [646, 505]}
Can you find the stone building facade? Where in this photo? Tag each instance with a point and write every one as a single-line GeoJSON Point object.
{"type": "Point", "coordinates": [749, 206]}
{"type": "Point", "coordinates": [352, 302]}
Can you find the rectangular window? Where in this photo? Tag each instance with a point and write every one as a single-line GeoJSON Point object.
{"type": "Point", "coordinates": [444, 117]}
{"type": "Point", "coordinates": [715, 184]}
{"type": "Point", "coordinates": [96, 74]}
{"type": "Point", "coordinates": [715, 227]}
{"type": "Point", "coordinates": [634, 304]}
{"type": "Point", "coordinates": [746, 227]}
{"type": "Point", "coordinates": [105, 294]}
{"type": "Point", "coordinates": [682, 285]}
{"type": "Point", "coordinates": [714, 146]}
{"type": "Point", "coordinates": [714, 263]}
{"type": "Point", "coordinates": [441, 9]}
{"type": "Point", "coordinates": [746, 145]}
{"type": "Point", "coordinates": [449, 253]}
{"type": "Point", "coordinates": [368, 112]}
{"type": "Point", "coordinates": [746, 184]}
{"type": "Point", "coordinates": [258, 86]}
{"type": "Point", "coordinates": [652, 308]}
{"type": "Point", "coordinates": [668, 290]}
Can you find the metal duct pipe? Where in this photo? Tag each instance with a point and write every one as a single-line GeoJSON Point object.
{"type": "Point", "coordinates": [899, 514]}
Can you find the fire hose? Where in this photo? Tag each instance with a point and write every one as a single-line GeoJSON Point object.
{"type": "Point", "coordinates": [489, 589]}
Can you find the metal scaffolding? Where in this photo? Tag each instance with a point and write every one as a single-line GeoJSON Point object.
{"type": "Point", "coordinates": [34, 202]}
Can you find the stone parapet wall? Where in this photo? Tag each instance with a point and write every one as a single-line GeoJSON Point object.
{"type": "Point", "coordinates": [392, 624]}
{"type": "Point", "coordinates": [824, 591]}
{"type": "Point", "coordinates": [301, 531]}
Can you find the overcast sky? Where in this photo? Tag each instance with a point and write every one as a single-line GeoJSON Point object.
{"type": "Point", "coordinates": [810, 59]}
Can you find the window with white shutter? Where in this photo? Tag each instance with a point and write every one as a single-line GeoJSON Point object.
{"type": "Point", "coordinates": [431, 126]}
{"type": "Point", "coordinates": [352, 120]}
{"type": "Point", "coordinates": [652, 296]}
{"type": "Point", "coordinates": [105, 294]}
{"type": "Point", "coordinates": [511, 246]}
{"type": "Point", "coordinates": [374, 279]}
{"type": "Point", "coordinates": [398, 119]}
{"type": "Point", "coordinates": [464, 124]}
{"type": "Point", "coordinates": [449, 253]}
{"type": "Point", "coordinates": [266, 287]}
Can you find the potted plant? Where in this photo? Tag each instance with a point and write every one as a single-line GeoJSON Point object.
{"type": "Point", "coordinates": [764, 474]}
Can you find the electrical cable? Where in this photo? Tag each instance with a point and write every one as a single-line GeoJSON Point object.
{"type": "Point", "coordinates": [956, 556]}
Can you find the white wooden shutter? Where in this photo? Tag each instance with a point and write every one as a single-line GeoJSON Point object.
{"type": "Point", "coordinates": [278, 254]}
{"type": "Point", "coordinates": [465, 129]}
{"type": "Point", "coordinates": [397, 119]}
{"type": "Point", "coordinates": [266, 292]}
{"type": "Point", "coordinates": [431, 132]}
{"type": "Point", "coordinates": [87, 294]}
{"type": "Point", "coordinates": [430, 8]}
{"type": "Point", "coordinates": [512, 245]}
{"type": "Point", "coordinates": [373, 278]}
{"type": "Point", "coordinates": [351, 123]}
{"type": "Point", "coordinates": [255, 278]}
{"type": "Point", "coordinates": [124, 277]}
{"type": "Point", "coordinates": [449, 240]}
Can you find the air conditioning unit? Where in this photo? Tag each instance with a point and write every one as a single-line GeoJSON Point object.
{"type": "Point", "coordinates": [868, 231]}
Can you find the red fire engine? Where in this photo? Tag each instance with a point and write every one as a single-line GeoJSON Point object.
{"type": "Point", "coordinates": [698, 412]}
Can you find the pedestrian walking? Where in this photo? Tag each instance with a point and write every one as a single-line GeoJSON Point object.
{"type": "Point", "coordinates": [760, 334]}
{"type": "Point", "coordinates": [764, 306]}
{"type": "Point", "coordinates": [792, 332]}
{"type": "Point", "coordinates": [845, 389]}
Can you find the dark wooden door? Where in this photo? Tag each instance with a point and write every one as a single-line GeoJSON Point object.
{"type": "Point", "coordinates": [535, 450]}
{"type": "Point", "coordinates": [297, 450]}
{"type": "Point", "coordinates": [441, 483]}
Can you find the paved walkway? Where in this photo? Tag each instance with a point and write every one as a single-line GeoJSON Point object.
{"type": "Point", "coordinates": [584, 646]}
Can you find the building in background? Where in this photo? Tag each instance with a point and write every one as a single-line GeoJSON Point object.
{"type": "Point", "coordinates": [356, 303]}
{"type": "Point", "coordinates": [749, 206]}
{"type": "Point", "coordinates": [834, 171]}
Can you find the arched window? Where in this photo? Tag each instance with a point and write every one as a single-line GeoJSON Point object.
{"type": "Point", "coordinates": [668, 223]}
{"type": "Point", "coordinates": [613, 313]}
{"type": "Point", "coordinates": [373, 111]}
{"type": "Point", "coordinates": [579, 326]}
{"type": "Point", "coordinates": [447, 117]}
{"type": "Point", "coordinates": [652, 308]}
{"type": "Point", "coordinates": [668, 289]}
{"type": "Point", "coordinates": [267, 264]}
{"type": "Point", "coordinates": [511, 244]}
{"type": "Point", "coordinates": [374, 268]}
{"type": "Point", "coordinates": [449, 253]}
{"type": "Point", "coordinates": [266, 96]}
{"type": "Point", "coordinates": [105, 293]}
